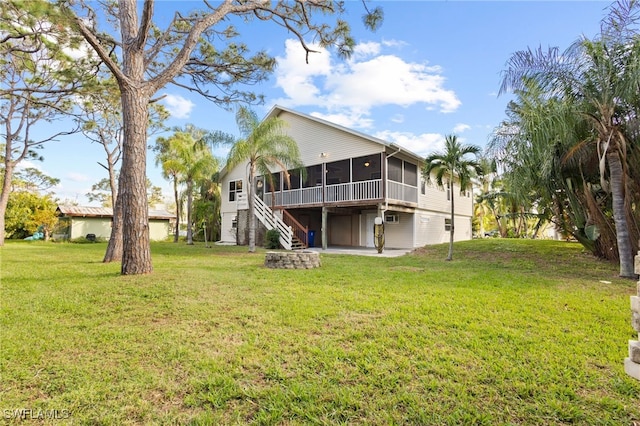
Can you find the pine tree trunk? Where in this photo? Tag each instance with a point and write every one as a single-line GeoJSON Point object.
{"type": "Point", "coordinates": [4, 195]}
{"type": "Point", "coordinates": [136, 253]}
{"type": "Point", "coordinates": [135, 96]}
{"type": "Point", "coordinates": [114, 248]}
{"type": "Point", "coordinates": [625, 251]}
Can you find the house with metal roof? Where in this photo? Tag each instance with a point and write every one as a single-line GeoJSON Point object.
{"type": "Point", "coordinates": [79, 221]}
{"type": "Point", "coordinates": [351, 178]}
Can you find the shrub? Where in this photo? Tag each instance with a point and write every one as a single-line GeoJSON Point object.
{"type": "Point", "coordinates": [272, 239]}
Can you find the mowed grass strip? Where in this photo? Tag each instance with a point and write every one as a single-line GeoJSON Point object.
{"type": "Point", "coordinates": [510, 332]}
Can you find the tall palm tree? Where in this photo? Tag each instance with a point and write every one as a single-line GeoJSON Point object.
{"type": "Point", "coordinates": [263, 146]}
{"type": "Point", "coordinates": [172, 169]}
{"type": "Point", "coordinates": [451, 166]}
{"type": "Point", "coordinates": [600, 79]}
{"type": "Point", "coordinates": [186, 157]}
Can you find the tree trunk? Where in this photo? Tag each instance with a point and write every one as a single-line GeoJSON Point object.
{"type": "Point", "coordinates": [252, 216]}
{"type": "Point", "coordinates": [114, 248]}
{"type": "Point", "coordinates": [452, 228]}
{"type": "Point", "coordinates": [176, 235]}
{"type": "Point", "coordinates": [625, 251]}
{"type": "Point", "coordinates": [136, 253]}
{"type": "Point", "coordinates": [135, 95]}
{"type": "Point", "coordinates": [189, 220]}
{"type": "Point", "coordinates": [6, 190]}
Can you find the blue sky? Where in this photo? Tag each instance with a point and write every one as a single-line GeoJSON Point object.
{"type": "Point", "coordinates": [432, 69]}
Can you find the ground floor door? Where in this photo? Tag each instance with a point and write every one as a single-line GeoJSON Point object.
{"type": "Point", "coordinates": [368, 229]}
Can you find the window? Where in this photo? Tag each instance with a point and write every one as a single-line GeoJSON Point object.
{"type": "Point", "coordinates": [273, 182]}
{"type": "Point", "coordinates": [314, 176]}
{"type": "Point", "coordinates": [395, 169]}
{"type": "Point", "coordinates": [423, 187]}
{"type": "Point", "coordinates": [410, 174]}
{"type": "Point", "coordinates": [294, 180]}
{"type": "Point", "coordinates": [448, 192]}
{"type": "Point", "coordinates": [338, 172]}
{"type": "Point", "coordinates": [391, 218]}
{"type": "Point", "coordinates": [235, 187]}
{"type": "Point", "coordinates": [366, 168]}
{"type": "Point", "coordinates": [447, 225]}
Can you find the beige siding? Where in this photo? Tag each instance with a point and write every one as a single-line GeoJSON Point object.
{"type": "Point", "coordinates": [435, 199]}
{"type": "Point", "coordinates": [314, 139]}
{"type": "Point", "coordinates": [159, 230]}
{"type": "Point", "coordinates": [400, 234]}
{"type": "Point", "coordinates": [81, 226]}
{"type": "Point", "coordinates": [430, 228]}
{"type": "Point", "coordinates": [101, 227]}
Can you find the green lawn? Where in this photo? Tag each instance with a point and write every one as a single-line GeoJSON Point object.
{"type": "Point", "coordinates": [511, 332]}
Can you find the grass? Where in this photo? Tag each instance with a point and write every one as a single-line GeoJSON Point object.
{"type": "Point", "coordinates": [511, 332]}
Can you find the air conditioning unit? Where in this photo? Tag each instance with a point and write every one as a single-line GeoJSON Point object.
{"type": "Point", "coordinates": [391, 218]}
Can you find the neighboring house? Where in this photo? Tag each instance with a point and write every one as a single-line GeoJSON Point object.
{"type": "Point", "coordinates": [79, 221]}
{"type": "Point", "coordinates": [351, 178]}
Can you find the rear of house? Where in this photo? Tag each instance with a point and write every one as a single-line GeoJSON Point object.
{"type": "Point", "coordinates": [351, 178]}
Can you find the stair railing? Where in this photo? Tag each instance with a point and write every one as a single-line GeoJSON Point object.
{"type": "Point", "coordinates": [271, 221]}
{"type": "Point", "coordinates": [300, 231]}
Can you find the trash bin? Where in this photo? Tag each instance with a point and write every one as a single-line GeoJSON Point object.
{"type": "Point", "coordinates": [312, 238]}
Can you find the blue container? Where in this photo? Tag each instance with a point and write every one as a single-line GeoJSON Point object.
{"type": "Point", "coordinates": [312, 238]}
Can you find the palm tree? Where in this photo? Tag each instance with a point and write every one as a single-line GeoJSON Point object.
{"type": "Point", "coordinates": [449, 166]}
{"type": "Point", "coordinates": [186, 158]}
{"type": "Point", "coordinates": [172, 169]}
{"type": "Point", "coordinates": [264, 146]}
{"type": "Point", "coordinates": [600, 81]}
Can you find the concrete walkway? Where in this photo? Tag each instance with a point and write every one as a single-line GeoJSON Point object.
{"type": "Point", "coordinates": [361, 251]}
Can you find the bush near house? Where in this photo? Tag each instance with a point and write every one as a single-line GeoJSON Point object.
{"type": "Point", "coordinates": [272, 239]}
{"type": "Point", "coordinates": [510, 332]}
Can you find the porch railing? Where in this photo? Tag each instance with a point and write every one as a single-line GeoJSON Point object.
{"type": "Point", "coordinates": [402, 192]}
{"type": "Point", "coordinates": [351, 191]}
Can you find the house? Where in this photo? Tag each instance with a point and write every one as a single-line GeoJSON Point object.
{"type": "Point", "coordinates": [77, 222]}
{"type": "Point", "coordinates": [351, 178]}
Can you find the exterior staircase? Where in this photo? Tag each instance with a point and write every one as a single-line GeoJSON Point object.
{"type": "Point", "coordinates": [293, 236]}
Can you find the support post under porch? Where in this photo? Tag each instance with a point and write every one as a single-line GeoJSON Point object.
{"type": "Point", "coordinates": [324, 227]}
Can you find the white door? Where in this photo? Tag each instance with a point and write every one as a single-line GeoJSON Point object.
{"type": "Point", "coordinates": [368, 231]}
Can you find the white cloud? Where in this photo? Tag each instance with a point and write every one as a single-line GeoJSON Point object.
{"type": "Point", "coordinates": [351, 89]}
{"type": "Point", "coordinates": [423, 144]}
{"type": "Point", "coordinates": [26, 164]}
{"type": "Point", "coordinates": [461, 127]}
{"type": "Point", "coordinates": [77, 177]}
{"type": "Point", "coordinates": [364, 50]}
{"type": "Point", "coordinates": [398, 118]}
{"type": "Point", "coordinates": [178, 106]}
{"type": "Point", "coordinates": [394, 43]}
{"type": "Point", "coordinates": [349, 119]}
